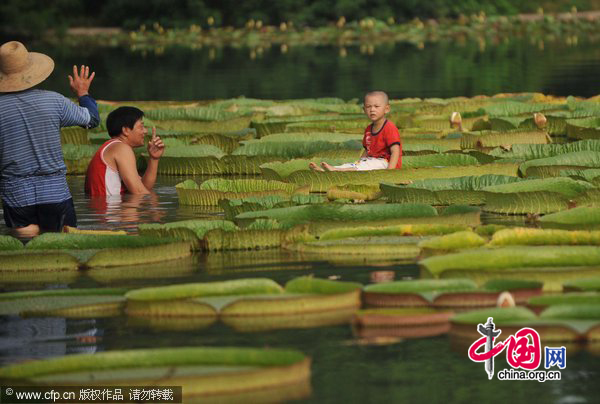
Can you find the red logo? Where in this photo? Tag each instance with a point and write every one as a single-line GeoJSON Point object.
{"type": "Point", "coordinates": [523, 350]}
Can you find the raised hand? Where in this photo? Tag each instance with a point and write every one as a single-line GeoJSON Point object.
{"type": "Point", "coordinates": [156, 147]}
{"type": "Point", "coordinates": [80, 81]}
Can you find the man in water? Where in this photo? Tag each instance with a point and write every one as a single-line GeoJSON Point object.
{"type": "Point", "coordinates": [112, 170]}
{"type": "Point", "coordinates": [33, 183]}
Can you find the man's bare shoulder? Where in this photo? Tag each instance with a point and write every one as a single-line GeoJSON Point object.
{"type": "Point", "coordinates": [120, 149]}
{"type": "Point", "coordinates": [119, 154]}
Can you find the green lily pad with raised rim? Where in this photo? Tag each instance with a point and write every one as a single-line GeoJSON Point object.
{"type": "Point", "coordinates": [590, 284]}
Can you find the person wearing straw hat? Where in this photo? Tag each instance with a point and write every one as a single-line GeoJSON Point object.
{"type": "Point", "coordinates": [33, 185]}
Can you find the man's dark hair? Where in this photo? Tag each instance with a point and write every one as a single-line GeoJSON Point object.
{"type": "Point", "coordinates": [122, 117]}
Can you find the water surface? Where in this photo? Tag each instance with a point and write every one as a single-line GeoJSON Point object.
{"type": "Point", "coordinates": [403, 70]}
{"type": "Point", "coordinates": [434, 369]}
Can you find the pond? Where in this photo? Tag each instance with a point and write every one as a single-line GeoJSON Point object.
{"type": "Point", "coordinates": [435, 369]}
{"type": "Point", "coordinates": [396, 369]}
{"type": "Point", "coordinates": [403, 70]}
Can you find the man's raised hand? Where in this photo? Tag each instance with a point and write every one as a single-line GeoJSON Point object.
{"type": "Point", "coordinates": [80, 81]}
{"type": "Point", "coordinates": [156, 147]}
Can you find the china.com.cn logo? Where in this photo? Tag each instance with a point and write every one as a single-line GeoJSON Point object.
{"type": "Point", "coordinates": [523, 354]}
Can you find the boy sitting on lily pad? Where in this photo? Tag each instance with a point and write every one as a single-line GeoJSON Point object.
{"type": "Point", "coordinates": [383, 149]}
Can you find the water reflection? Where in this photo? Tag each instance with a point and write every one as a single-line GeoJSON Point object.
{"type": "Point", "coordinates": [144, 275]}
{"type": "Point", "coordinates": [403, 70]}
{"type": "Point", "coordinates": [403, 368]}
{"type": "Point", "coordinates": [44, 337]}
{"type": "Point", "coordinates": [125, 211]}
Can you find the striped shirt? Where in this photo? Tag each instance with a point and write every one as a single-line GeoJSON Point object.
{"type": "Point", "coordinates": [32, 168]}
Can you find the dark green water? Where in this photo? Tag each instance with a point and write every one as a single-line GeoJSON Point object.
{"type": "Point", "coordinates": [438, 70]}
{"type": "Point", "coordinates": [433, 369]}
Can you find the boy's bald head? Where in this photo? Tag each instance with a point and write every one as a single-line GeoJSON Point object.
{"type": "Point", "coordinates": [381, 94]}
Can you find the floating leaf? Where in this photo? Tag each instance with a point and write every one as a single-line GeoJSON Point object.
{"type": "Point", "coordinates": [189, 290]}
{"type": "Point", "coordinates": [399, 230]}
{"type": "Point", "coordinates": [303, 294]}
{"type": "Point", "coordinates": [74, 135]}
{"type": "Point", "coordinates": [282, 169]}
{"type": "Point", "coordinates": [454, 241]}
{"type": "Point", "coordinates": [250, 239]}
{"type": "Point", "coordinates": [139, 255]}
{"type": "Point", "coordinates": [551, 166]}
{"type": "Point", "coordinates": [488, 140]}
{"type": "Point", "coordinates": [445, 191]}
{"type": "Point", "coordinates": [591, 284]}
{"type": "Point", "coordinates": [441, 160]}
{"type": "Point", "coordinates": [62, 241]}
{"type": "Point", "coordinates": [292, 149]}
{"type": "Point", "coordinates": [213, 190]}
{"type": "Point", "coordinates": [303, 214]}
{"type": "Point", "coordinates": [356, 192]}
{"type": "Point", "coordinates": [422, 285]}
{"type": "Point", "coordinates": [77, 157]}
{"type": "Point", "coordinates": [499, 285]}
{"type": "Point", "coordinates": [500, 316]}
{"type": "Point", "coordinates": [578, 216]}
{"type": "Point", "coordinates": [564, 186]}
{"type": "Point", "coordinates": [539, 151]}
{"type": "Point", "coordinates": [345, 126]}
{"type": "Point", "coordinates": [512, 108]}
{"type": "Point", "coordinates": [309, 284]}
{"type": "Point", "coordinates": [278, 125]}
{"type": "Point", "coordinates": [506, 258]}
{"type": "Point", "coordinates": [271, 368]}
{"type": "Point", "coordinates": [533, 196]}
{"type": "Point", "coordinates": [322, 181]}
{"type": "Point", "coordinates": [584, 128]}
{"type": "Point", "coordinates": [186, 230]}
{"type": "Point", "coordinates": [528, 236]}
{"type": "Point", "coordinates": [191, 125]}
{"type": "Point", "coordinates": [79, 305]}
{"type": "Point", "coordinates": [572, 299]}
{"type": "Point", "coordinates": [535, 202]}
{"type": "Point", "coordinates": [568, 311]}
{"type": "Point", "coordinates": [8, 243]}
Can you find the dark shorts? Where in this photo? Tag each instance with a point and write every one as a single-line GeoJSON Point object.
{"type": "Point", "coordinates": [50, 216]}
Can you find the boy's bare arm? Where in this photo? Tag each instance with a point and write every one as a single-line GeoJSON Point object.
{"type": "Point", "coordinates": [394, 157]}
{"type": "Point", "coordinates": [126, 165]}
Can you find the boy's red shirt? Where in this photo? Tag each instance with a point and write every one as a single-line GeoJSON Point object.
{"type": "Point", "coordinates": [379, 144]}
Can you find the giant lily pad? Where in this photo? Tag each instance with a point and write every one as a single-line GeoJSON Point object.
{"type": "Point", "coordinates": [192, 231]}
{"type": "Point", "coordinates": [211, 191]}
{"type": "Point", "coordinates": [445, 191]}
{"type": "Point", "coordinates": [530, 236]}
{"type": "Point", "coordinates": [74, 303]}
{"type": "Point", "coordinates": [454, 241]}
{"type": "Point", "coordinates": [205, 372]}
{"type": "Point", "coordinates": [325, 217]}
{"type": "Point", "coordinates": [556, 324]}
{"type": "Point", "coordinates": [455, 293]}
{"type": "Point", "coordinates": [322, 181]}
{"type": "Point", "coordinates": [591, 284]}
{"type": "Point", "coordinates": [91, 251]}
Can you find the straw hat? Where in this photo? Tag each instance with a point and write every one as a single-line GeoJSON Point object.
{"type": "Point", "coordinates": [20, 69]}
